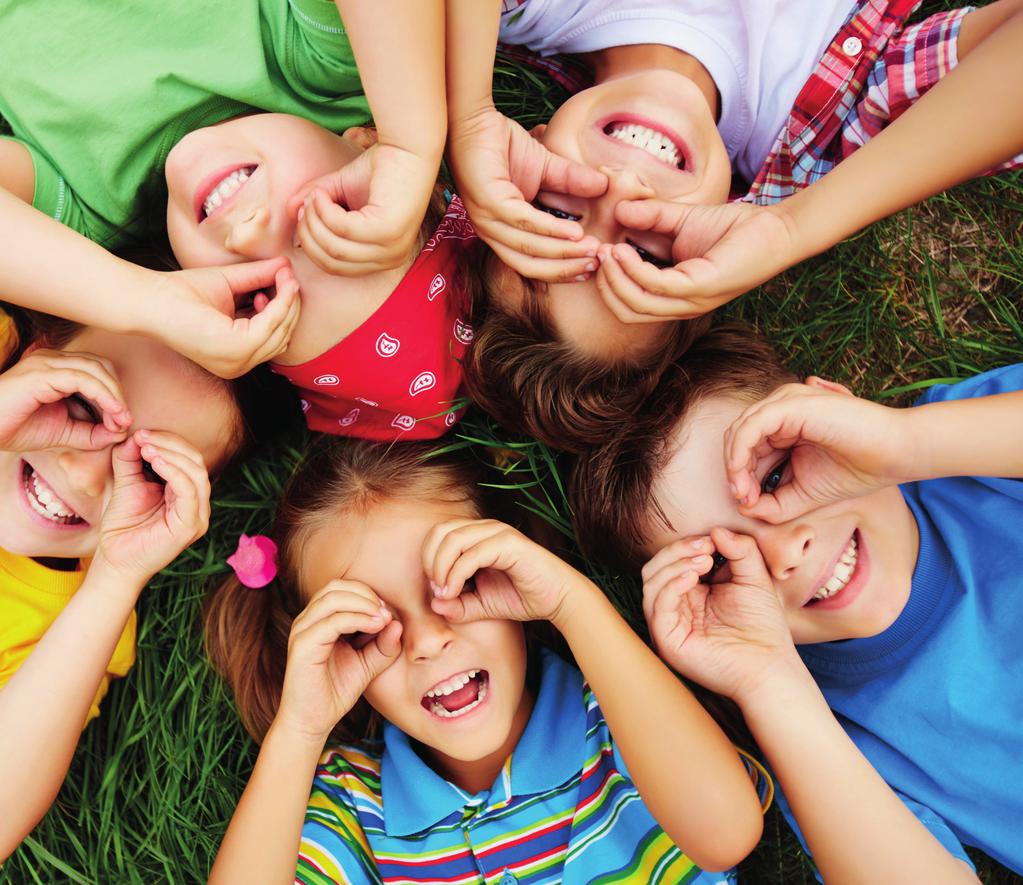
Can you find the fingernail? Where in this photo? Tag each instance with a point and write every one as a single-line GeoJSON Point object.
{"type": "Point", "coordinates": [436, 588]}
{"type": "Point", "coordinates": [592, 253]}
{"type": "Point", "coordinates": [699, 544]}
{"type": "Point", "coordinates": [590, 266]}
{"type": "Point", "coordinates": [385, 612]}
{"type": "Point", "coordinates": [301, 213]}
{"type": "Point", "coordinates": [582, 278]}
{"type": "Point", "coordinates": [143, 434]}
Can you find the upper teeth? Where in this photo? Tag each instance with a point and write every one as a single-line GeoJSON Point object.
{"type": "Point", "coordinates": [844, 568]}
{"type": "Point", "coordinates": [44, 500]}
{"type": "Point", "coordinates": [226, 188]}
{"type": "Point", "coordinates": [452, 684]}
{"type": "Point", "coordinates": [653, 142]}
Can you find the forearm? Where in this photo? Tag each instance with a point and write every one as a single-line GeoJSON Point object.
{"type": "Point", "coordinates": [966, 437]}
{"type": "Point", "coordinates": [48, 267]}
{"type": "Point", "coordinates": [857, 829]}
{"type": "Point", "coordinates": [261, 844]}
{"type": "Point", "coordinates": [472, 29]}
{"type": "Point", "coordinates": [399, 49]}
{"type": "Point", "coordinates": [44, 705]}
{"type": "Point", "coordinates": [965, 125]}
{"type": "Point", "coordinates": [688, 773]}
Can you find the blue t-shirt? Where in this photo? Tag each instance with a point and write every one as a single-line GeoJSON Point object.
{"type": "Point", "coordinates": [935, 702]}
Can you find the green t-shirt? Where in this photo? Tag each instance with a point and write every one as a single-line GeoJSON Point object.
{"type": "Point", "coordinates": [100, 91]}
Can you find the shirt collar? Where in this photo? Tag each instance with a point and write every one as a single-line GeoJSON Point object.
{"type": "Point", "coordinates": [416, 798]}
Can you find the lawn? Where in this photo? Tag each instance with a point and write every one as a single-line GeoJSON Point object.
{"type": "Point", "coordinates": [931, 294]}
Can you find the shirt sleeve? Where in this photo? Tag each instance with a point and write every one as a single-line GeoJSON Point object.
{"type": "Point", "coordinates": [935, 825]}
{"type": "Point", "coordinates": [1006, 379]}
{"type": "Point", "coordinates": [55, 198]}
{"type": "Point", "coordinates": [333, 847]}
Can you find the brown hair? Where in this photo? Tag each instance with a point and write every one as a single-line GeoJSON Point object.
{"type": "Point", "coordinates": [247, 630]}
{"type": "Point", "coordinates": [520, 372]}
{"type": "Point", "coordinates": [610, 486]}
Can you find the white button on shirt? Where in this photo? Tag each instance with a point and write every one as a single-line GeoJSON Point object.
{"type": "Point", "coordinates": [852, 46]}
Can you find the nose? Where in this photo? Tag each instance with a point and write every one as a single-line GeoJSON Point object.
{"type": "Point", "coordinates": [624, 183]}
{"type": "Point", "coordinates": [426, 636]}
{"type": "Point", "coordinates": [87, 473]}
{"type": "Point", "coordinates": [251, 234]}
{"type": "Point", "coordinates": [785, 547]}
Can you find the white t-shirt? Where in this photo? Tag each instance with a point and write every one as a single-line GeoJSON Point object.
{"type": "Point", "coordinates": [759, 52]}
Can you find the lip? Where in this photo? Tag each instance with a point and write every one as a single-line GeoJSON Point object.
{"type": "Point", "coordinates": [465, 716]}
{"type": "Point", "coordinates": [206, 186]}
{"type": "Point", "coordinates": [666, 131]}
{"type": "Point", "coordinates": [857, 580]}
{"type": "Point", "coordinates": [42, 522]}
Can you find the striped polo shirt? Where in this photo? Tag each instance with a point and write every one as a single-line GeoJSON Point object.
{"type": "Point", "coordinates": [563, 809]}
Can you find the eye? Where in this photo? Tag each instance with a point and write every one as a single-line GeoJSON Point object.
{"type": "Point", "coordinates": [80, 409]}
{"type": "Point", "coordinates": [716, 574]}
{"type": "Point", "coordinates": [649, 256]}
{"type": "Point", "coordinates": [555, 211]}
{"type": "Point", "coordinates": [773, 478]}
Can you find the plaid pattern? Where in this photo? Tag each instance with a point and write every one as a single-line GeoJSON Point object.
{"type": "Point", "coordinates": [572, 75]}
{"type": "Point", "coordinates": [871, 72]}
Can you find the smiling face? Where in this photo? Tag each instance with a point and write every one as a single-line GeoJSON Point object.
{"type": "Point", "coordinates": [229, 187]}
{"type": "Point", "coordinates": [654, 135]}
{"type": "Point", "coordinates": [456, 689]}
{"type": "Point", "coordinates": [842, 571]}
{"type": "Point", "coordinates": [53, 500]}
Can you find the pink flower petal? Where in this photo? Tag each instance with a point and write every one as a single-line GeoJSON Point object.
{"type": "Point", "coordinates": [255, 560]}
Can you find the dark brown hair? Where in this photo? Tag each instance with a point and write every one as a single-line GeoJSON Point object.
{"type": "Point", "coordinates": [247, 630]}
{"type": "Point", "coordinates": [520, 372]}
{"type": "Point", "coordinates": [610, 486]}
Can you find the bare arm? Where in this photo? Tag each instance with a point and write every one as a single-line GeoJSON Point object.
{"type": "Point", "coordinates": [17, 173]}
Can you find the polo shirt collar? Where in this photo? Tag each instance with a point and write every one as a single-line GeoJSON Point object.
{"type": "Point", "coordinates": [550, 751]}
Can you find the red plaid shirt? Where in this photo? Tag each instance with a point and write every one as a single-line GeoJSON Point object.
{"type": "Point", "coordinates": [871, 72]}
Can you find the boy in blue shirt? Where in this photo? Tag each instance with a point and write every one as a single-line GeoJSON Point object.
{"type": "Point", "coordinates": [890, 539]}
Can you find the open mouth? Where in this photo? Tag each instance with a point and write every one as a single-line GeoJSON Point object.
{"type": "Point", "coordinates": [44, 501]}
{"type": "Point", "coordinates": [660, 142]}
{"type": "Point", "coordinates": [219, 189]}
{"type": "Point", "coordinates": [842, 573]}
{"type": "Point", "coordinates": [458, 694]}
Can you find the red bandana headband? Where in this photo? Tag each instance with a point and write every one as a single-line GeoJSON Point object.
{"type": "Point", "coordinates": [400, 372]}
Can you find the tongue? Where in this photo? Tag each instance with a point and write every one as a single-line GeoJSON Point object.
{"type": "Point", "coordinates": [461, 698]}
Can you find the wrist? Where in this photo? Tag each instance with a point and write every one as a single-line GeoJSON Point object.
{"type": "Point", "coordinates": [297, 737]}
{"type": "Point", "coordinates": [112, 582]}
{"type": "Point", "coordinates": [576, 597]}
{"type": "Point", "coordinates": [784, 681]}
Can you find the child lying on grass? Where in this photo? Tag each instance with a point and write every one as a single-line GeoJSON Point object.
{"type": "Point", "coordinates": [398, 615]}
{"type": "Point", "coordinates": [98, 494]}
{"type": "Point", "coordinates": [889, 538]}
{"type": "Point", "coordinates": [633, 173]}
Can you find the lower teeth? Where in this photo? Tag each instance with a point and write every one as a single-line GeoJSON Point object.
{"type": "Point", "coordinates": [440, 710]}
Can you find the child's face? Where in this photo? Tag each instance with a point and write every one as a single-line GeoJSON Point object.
{"type": "Point", "coordinates": [801, 555]}
{"type": "Point", "coordinates": [159, 389]}
{"type": "Point", "coordinates": [653, 134]}
{"type": "Point", "coordinates": [481, 721]}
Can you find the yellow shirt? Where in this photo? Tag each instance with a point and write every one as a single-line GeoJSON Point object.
{"type": "Point", "coordinates": [31, 598]}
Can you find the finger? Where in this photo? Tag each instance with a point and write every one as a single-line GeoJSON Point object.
{"type": "Point", "coordinates": [181, 496]}
{"type": "Point", "coordinates": [243, 279]}
{"type": "Point", "coordinates": [628, 301]}
{"type": "Point", "coordinates": [687, 570]}
{"type": "Point", "coordinates": [683, 547]}
{"type": "Point", "coordinates": [126, 461]}
{"type": "Point", "coordinates": [744, 558]}
{"type": "Point", "coordinates": [568, 177]}
{"type": "Point", "coordinates": [280, 337]}
{"type": "Point", "coordinates": [666, 603]}
{"type": "Point", "coordinates": [462, 609]}
{"type": "Point", "coordinates": [520, 237]}
{"type": "Point", "coordinates": [344, 597]}
{"type": "Point", "coordinates": [347, 585]}
{"type": "Point", "coordinates": [506, 206]}
{"type": "Point", "coordinates": [328, 263]}
{"type": "Point", "coordinates": [379, 654]}
{"type": "Point", "coordinates": [320, 637]}
{"type": "Point", "coordinates": [259, 301]}
{"type": "Point", "coordinates": [549, 270]}
{"type": "Point", "coordinates": [659, 216]}
{"type": "Point", "coordinates": [327, 224]}
{"type": "Point", "coordinates": [461, 553]}
{"type": "Point", "coordinates": [433, 540]}
{"type": "Point", "coordinates": [164, 439]}
{"type": "Point", "coordinates": [91, 382]}
{"type": "Point", "coordinates": [267, 334]}
{"type": "Point", "coordinates": [88, 437]}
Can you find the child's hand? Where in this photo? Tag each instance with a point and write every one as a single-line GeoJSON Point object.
{"type": "Point", "coordinates": [499, 168]}
{"type": "Point", "coordinates": [725, 636]}
{"type": "Point", "coordinates": [160, 504]}
{"type": "Point", "coordinates": [838, 446]}
{"type": "Point", "coordinates": [481, 569]}
{"type": "Point", "coordinates": [338, 645]}
{"type": "Point", "coordinates": [205, 314]}
{"type": "Point", "coordinates": [720, 252]}
{"type": "Point", "coordinates": [52, 399]}
{"type": "Point", "coordinates": [366, 216]}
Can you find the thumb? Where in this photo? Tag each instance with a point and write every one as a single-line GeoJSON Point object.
{"type": "Point", "coordinates": [127, 461]}
{"type": "Point", "coordinates": [462, 609]}
{"type": "Point", "coordinates": [744, 558]}
{"type": "Point", "coordinates": [654, 215]}
{"type": "Point", "coordinates": [88, 437]}
{"type": "Point", "coordinates": [252, 275]}
{"type": "Point", "coordinates": [568, 177]}
{"type": "Point", "coordinates": [785, 503]}
{"type": "Point", "coordinates": [379, 654]}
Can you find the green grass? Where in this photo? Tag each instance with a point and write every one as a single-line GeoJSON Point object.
{"type": "Point", "coordinates": [933, 293]}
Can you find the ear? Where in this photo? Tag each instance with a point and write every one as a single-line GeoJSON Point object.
{"type": "Point", "coordinates": [363, 136]}
{"type": "Point", "coordinates": [538, 130]}
{"type": "Point", "coordinates": [823, 384]}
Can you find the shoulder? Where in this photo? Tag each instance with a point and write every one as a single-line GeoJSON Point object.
{"type": "Point", "coordinates": [1006, 379]}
